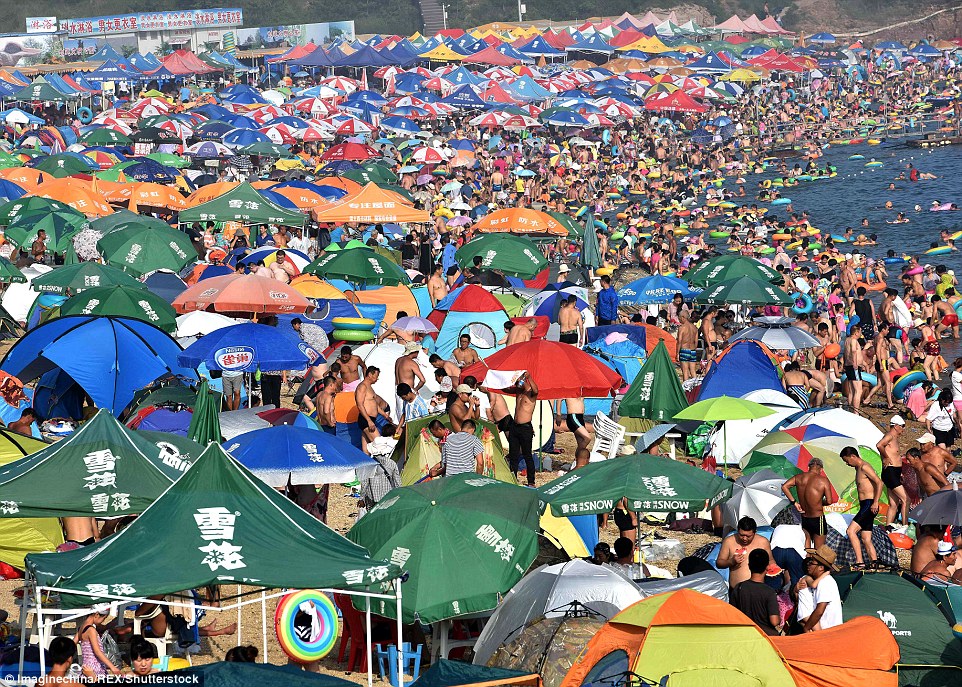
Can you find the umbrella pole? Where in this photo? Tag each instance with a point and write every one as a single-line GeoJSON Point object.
{"type": "Point", "coordinates": [264, 624]}
{"type": "Point", "coordinates": [367, 628]}
{"type": "Point", "coordinates": [400, 631]}
{"type": "Point", "coordinates": [238, 617]}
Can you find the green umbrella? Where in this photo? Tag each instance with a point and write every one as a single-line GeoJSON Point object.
{"type": "Point", "coordinates": [59, 231]}
{"type": "Point", "coordinates": [743, 291]}
{"type": "Point", "coordinates": [590, 251]}
{"type": "Point", "coordinates": [169, 159]}
{"type": "Point", "coordinates": [9, 160]}
{"type": "Point", "coordinates": [264, 149]}
{"type": "Point", "coordinates": [649, 483]}
{"type": "Point", "coordinates": [24, 207]}
{"type": "Point", "coordinates": [123, 218]}
{"type": "Point", "coordinates": [464, 541]}
{"type": "Point", "coordinates": [725, 267]}
{"type": "Point", "coordinates": [513, 255]}
{"type": "Point", "coordinates": [123, 301]}
{"type": "Point", "coordinates": [766, 461]}
{"type": "Point", "coordinates": [205, 421]}
{"type": "Point", "coordinates": [105, 136]}
{"type": "Point", "coordinates": [143, 248]}
{"type": "Point", "coordinates": [724, 408]}
{"type": "Point", "coordinates": [656, 392]}
{"type": "Point", "coordinates": [380, 173]}
{"type": "Point", "coordinates": [360, 266]}
{"type": "Point", "coordinates": [73, 279]}
{"type": "Point", "coordinates": [10, 274]}
{"type": "Point", "coordinates": [575, 230]}
{"type": "Point", "coordinates": [65, 165]}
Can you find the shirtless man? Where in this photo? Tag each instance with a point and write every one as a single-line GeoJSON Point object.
{"type": "Point", "coordinates": [369, 410]}
{"type": "Point", "coordinates": [466, 407]}
{"type": "Point", "coordinates": [406, 368]}
{"type": "Point", "coordinates": [325, 405]}
{"type": "Point", "coordinates": [451, 370]}
{"type": "Point", "coordinates": [814, 493]}
{"type": "Point", "coordinates": [848, 280]}
{"type": "Point", "coordinates": [521, 434]}
{"type": "Point", "coordinates": [571, 323]}
{"type": "Point", "coordinates": [888, 448]}
{"type": "Point", "coordinates": [852, 361]}
{"type": "Point", "coordinates": [869, 487]}
{"type": "Point", "coordinates": [464, 354]}
{"type": "Point", "coordinates": [936, 455]}
{"type": "Point", "coordinates": [401, 335]}
{"type": "Point", "coordinates": [735, 549]}
{"type": "Point", "coordinates": [924, 550]}
{"type": "Point", "coordinates": [575, 421]}
{"type": "Point", "coordinates": [437, 287]}
{"type": "Point", "coordinates": [945, 565]}
{"type": "Point", "coordinates": [797, 385]}
{"type": "Point", "coordinates": [708, 332]}
{"type": "Point", "coordinates": [521, 333]}
{"type": "Point", "coordinates": [931, 478]}
{"type": "Point", "coordinates": [82, 531]}
{"type": "Point", "coordinates": [352, 367]}
{"type": "Point", "coordinates": [23, 425]}
{"type": "Point", "coordinates": [687, 346]}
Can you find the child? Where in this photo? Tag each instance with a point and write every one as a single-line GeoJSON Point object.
{"type": "Point", "coordinates": [96, 664]}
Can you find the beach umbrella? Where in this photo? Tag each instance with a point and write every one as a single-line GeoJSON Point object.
{"type": "Point", "coordinates": [758, 496]}
{"type": "Point", "coordinates": [590, 257]}
{"type": "Point", "coordinates": [205, 420]}
{"type": "Point", "coordinates": [550, 365]}
{"type": "Point", "coordinates": [513, 255]}
{"type": "Point", "coordinates": [134, 302]}
{"type": "Point", "coordinates": [416, 325]}
{"type": "Point", "coordinates": [723, 408]}
{"type": "Point", "coordinates": [143, 248]}
{"type": "Point", "coordinates": [725, 267]}
{"type": "Point", "coordinates": [104, 137]}
{"type": "Point", "coordinates": [442, 530]}
{"type": "Point", "coordinates": [655, 289]}
{"type": "Point", "coordinates": [11, 211]}
{"type": "Point", "coordinates": [246, 347]}
{"type": "Point", "coordinates": [264, 149]}
{"type": "Point", "coordinates": [942, 508]}
{"type": "Point", "coordinates": [201, 323]}
{"type": "Point", "coordinates": [153, 134]}
{"type": "Point", "coordinates": [59, 232]}
{"type": "Point", "coordinates": [656, 392]}
{"type": "Point", "coordinates": [247, 293]}
{"type": "Point", "coordinates": [743, 291]}
{"type": "Point", "coordinates": [360, 266]}
{"type": "Point", "coordinates": [293, 454]}
{"type": "Point", "coordinates": [169, 160]}
{"type": "Point", "coordinates": [650, 483]}
{"type": "Point", "coordinates": [777, 333]}
{"type": "Point", "coordinates": [65, 164]}
{"type": "Point", "coordinates": [10, 274]}
{"type": "Point", "coordinates": [350, 151]}
{"type": "Point", "coordinates": [520, 221]}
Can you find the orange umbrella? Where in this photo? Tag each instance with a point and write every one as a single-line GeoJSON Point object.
{"type": "Point", "coordinates": [209, 192]}
{"type": "Point", "coordinates": [78, 194]}
{"type": "Point", "coordinates": [25, 177]}
{"type": "Point", "coordinates": [242, 293]}
{"type": "Point", "coordinates": [520, 221]}
{"type": "Point", "coordinates": [348, 185]}
{"type": "Point", "coordinates": [312, 286]}
{"type": "Point", "coordinates": [152, 195]}
{"type": "Point", "coordinates": [261, 184]}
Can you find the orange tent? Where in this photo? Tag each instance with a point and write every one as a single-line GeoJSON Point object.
{"type": "Point", "coordinates": [372, 204]}
{"type": "Point", "coordinates": [207, 193]}
{"type": "Point", "coordinates": [520, 221]}
{"type": "Point", "coordinates": [80, 195]}
{"type": "Point", "coordinates": [655, 334]}
{"type": "Point", "coordinates": [396, 298]}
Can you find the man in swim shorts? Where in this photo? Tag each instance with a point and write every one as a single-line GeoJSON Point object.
{"type": "Point", "coordinates": [888, 448]}
{"type": "Point", "coordinates": [869, 488]}
{"type": "Point", "coordinates": [687, 345]}
{"type": "Point", "coordinates": [814, 493]}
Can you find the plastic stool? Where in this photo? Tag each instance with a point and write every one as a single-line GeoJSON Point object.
{"type": "Point", "coordinates": [411, 662]}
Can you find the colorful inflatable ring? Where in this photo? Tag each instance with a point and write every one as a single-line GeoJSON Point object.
{"type": "Point", "coordinates": [896, 261]}
{"type": "Point", "coordinates": [362, 324]}
{"type": "Point", "coordinates": [907, 380]}
{"type": "Point", "coordinates": [582, 210]}
{"type": "Point", "coordinates": [781, 201]}
{"type": "Point", "coordinates": [865, 377]}
{"type": "Point", "coordinates": [915, 270]}
{"type": "Point", "coordinates": [352, 335]}
{"type": "Point", "coordinates": [856, 157]}
{"type": "Point", "coordinates": [904, 541]}
{"type": "Point", "coordinates": [617, 236]}
{"type": "Point", "coordinates": [956, 236]}
{"type": "Point", "coordinates": [719, 234]}
{"type": "Point", "coordinates": [939, 250]}
{"type": "Point", "coordinates": [767, 183]}
{"type": "Point", "coordinates": [873, 164]}
{"type": "Point", "coordinates": [605, 271]}
{"type": "Point", "coordinates": [681, 231]}
{"type": "Point", "coordinates": [803, 303]}
{"type": "Point", "coordinates": [293, 625]}
{"type": "Point", "coordinates": [85, 115]}
{"type": "Point", "coordinates": [877, 286]}
{"type": "Point", "coordinates": [781, 237]}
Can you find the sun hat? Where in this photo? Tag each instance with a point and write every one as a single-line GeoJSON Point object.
{"type": "Point", "coordinates": [927, 438]}
{"type": "Point", "coordinates": [824, 555]}
{"type": "Point", "coordinates": [464, 389]}
{"type": "Point", "coordinates": [411, 347]}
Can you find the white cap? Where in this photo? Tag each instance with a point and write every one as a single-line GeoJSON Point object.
{"type": "Point", "coordinates": [897, 420]}
{"type": "Point", "coordinates": [563, 269]}
{"type": "Point", "coordinates": [927, 438]}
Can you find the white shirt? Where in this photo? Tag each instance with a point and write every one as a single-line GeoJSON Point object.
{"type": "Point", "coordinates": [957, 386]}
{"type": "Point", "coordinates": [941, 418]}
{"type": "Point", "coordinates": [827, 592]}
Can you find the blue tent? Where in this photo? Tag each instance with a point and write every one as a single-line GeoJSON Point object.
{"type": "Point", "coordinates": [711, 63]}
{"type": "Point", "coordinates": [160, 74]}
{"type": "Point", "coordinates": [109, 357]}
{"type": "Point", "coordinates": [462, 76]}
{"type": "Point", "coordinates": [317, 58]}
{"type": "Point", "coordinates": [144, 63]}
{"type": "Point", "coordinates": [403, 54]}
{"type": "Point", "coordinates": [895, 46]}
{"type": "Point", "coordinates": [365, 56]}
{"type": "Point", "coordinates": [593, 43]}
{"type": "Point", "coordinates": [473, 311]}
{"type": "Point", "coordinates": [466, 98]}
{"type": "Point", "coordinates": [539, 47]}
{"type": "Point", "coordinates": [742, 367]}
{"type": "Point", "coordinates": [526, 88]}
{"type": "Point", "coordinates": [109, 71]}
{"type": "Point", "coordinates": [467, 45]}
{"type": "Point", "coordinates": [509, 50]}
{"type": "Point", "coordinates": [105, 54]}
{"type": "Point", "coordinates": [409, 82]}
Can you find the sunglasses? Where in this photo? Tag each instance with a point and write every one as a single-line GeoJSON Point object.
{"type": "Point", "coordinates": [811, 561]}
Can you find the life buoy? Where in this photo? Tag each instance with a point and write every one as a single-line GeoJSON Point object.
{"type": "Point", "coordinates": [351, 335]}
{"type": "Point", "coordinates": [803, 303]}
{"type": "Point", "coordinates": [306, 625]}
{"type": "Point", "coordinates": [85, 115]}
{"type": "Point", "coordinates": [361, 324]}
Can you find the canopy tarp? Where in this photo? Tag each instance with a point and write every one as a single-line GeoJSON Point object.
{"type": "Point", "coordinates": [103, 470]}
{"type": "Point", "coordinates": [656, 392]}
{"type": "Point", "coordinates": [371, 204]}
{"type": "Point", "coordinates": [242, 204]}
{"type": "Point", "coordinates": [217, 524]}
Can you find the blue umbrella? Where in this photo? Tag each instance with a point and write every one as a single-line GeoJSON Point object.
{"type": "Point", "coordinates": [244, 137]}
{"type": "Point", "coordinates": [655, 289]}
{"type": "Point", "coordinates": [568, 118]}
{"type": "Point", "coordinates": [245, 347]}
{"type": "Point", "coordinates": [402, 124]}
{"type": "Point", "coordinates": [298, 455]}
{"type": "Point", "coordinates": [152, 171]}
{"type": "Point", "coordinates": [823, 37]}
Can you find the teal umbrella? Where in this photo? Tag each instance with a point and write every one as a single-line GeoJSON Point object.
{"type": "Point", "coordinates": [360, 266]}
{"type": "Point", "coordinates": [514, 255]}
{"type": "Point", "coordinates": [10, 274]}
{"type": "Point", "coordinates": [590, 251]}
{"type": "Point", "coordinates": [205, 420]}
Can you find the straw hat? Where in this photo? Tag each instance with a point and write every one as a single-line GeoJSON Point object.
{"type": "Point", "coordinates": [824, 555]}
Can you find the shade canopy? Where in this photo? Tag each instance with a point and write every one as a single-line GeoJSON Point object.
{"type": "Point", "coordinates": [243, 204]}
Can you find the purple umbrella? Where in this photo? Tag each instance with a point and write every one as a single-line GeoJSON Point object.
{"type": "Point", "coordinates": [459, 221]}
{"type": "Point", "coordinates": [424, 178]}
{"type": "Point", "coordinates": [417, 325]}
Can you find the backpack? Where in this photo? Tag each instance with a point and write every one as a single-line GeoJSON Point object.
{"type": "Point", "coordinates": [697, 442]}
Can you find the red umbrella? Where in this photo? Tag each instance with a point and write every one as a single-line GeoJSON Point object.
{"type": "Point", "coordinates": [560, 370]}
{"type": "Point", "coordinates": [678, 101]}
{"type": "Point", "coordinates": [350, 151]}
{"type": "Point", "coordinates": [242, 293]}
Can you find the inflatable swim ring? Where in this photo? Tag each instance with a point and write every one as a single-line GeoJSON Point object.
{"type": "Point", "coordinates": [939, 250]}
{"type": "Point", "coordinates": [306, 625]}
{"type": "Point", "coordinates": [361, 324]}
{"type": "Point", "coordinates": [352, 335]}
{"type": "Point", "coordinates": [803, 303]}
{"type": "Point", "coordinates": [781, 237]}
{"type": "Point", "coordinates": [85, 115]}
{"type": "Point", "coordinates": [904, 541]}
{"type": "Point", "coordinates": [719, 234]}
{"type": "Point", "coordinates": [896, 261]}
{"type": "Point", "coordinates": [873, 164]}
{"type": "Point", "coordinates": [856, 157]}
{"type": "Point", "coordinates": [907, 380]}
{"type": "Point", "coordinates": [915, 270]}
{"type": "Point", "coordinates": [877, 286]}
{"type": "Point", "coordinates": [866, 377]}
{"type": "Point", "coordinates": [781, 201]}
{"type": "Point", "coordinates": [605, 271]}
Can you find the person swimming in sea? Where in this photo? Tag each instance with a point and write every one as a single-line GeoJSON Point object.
{"type": "Point", "coordinates": [900, 218]}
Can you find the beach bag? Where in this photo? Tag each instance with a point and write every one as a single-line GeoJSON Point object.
{"type": "Point", "coordinates": [111, 650]}
{"type": "Point", "coordinates": [697, 441]}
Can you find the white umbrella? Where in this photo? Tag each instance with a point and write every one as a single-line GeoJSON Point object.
{"type": "Point", "coordinates": [201, 323]}
{"type": "Point", "coordinates": [757, 496]}
{"type": "Point", "coordinates": [778, 333]}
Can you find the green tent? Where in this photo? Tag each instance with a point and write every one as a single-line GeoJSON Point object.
{"type": "Point", "coordinates": [929, 654]}
{"type": "Point", "coordinates": [205, 420]}
{"type": "Point", "coordinates": [463, 540]}
{"type": "Point", "coordinates": [237, 674]}
{"type": "Point", "coordinates": [655, 392]}
{"type": "Point", "coordinates": [419, 451]}
{"type": "Point", "coordinates": [40, 90]}
{"type": "Point", "coordinates": [103, 469]}
{"type": "Point", "coordinates": [218, 524]}
{"type": "Point", "coordinates": [445, 673]}
{"type": "Point", "coordinates": [242, 204]}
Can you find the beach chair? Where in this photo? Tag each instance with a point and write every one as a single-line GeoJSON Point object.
{"type": "Point", "coordinates": [609, 436]}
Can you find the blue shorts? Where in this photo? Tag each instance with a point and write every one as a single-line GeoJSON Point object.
{"type": "Point", "coordinates": [686, 355]}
